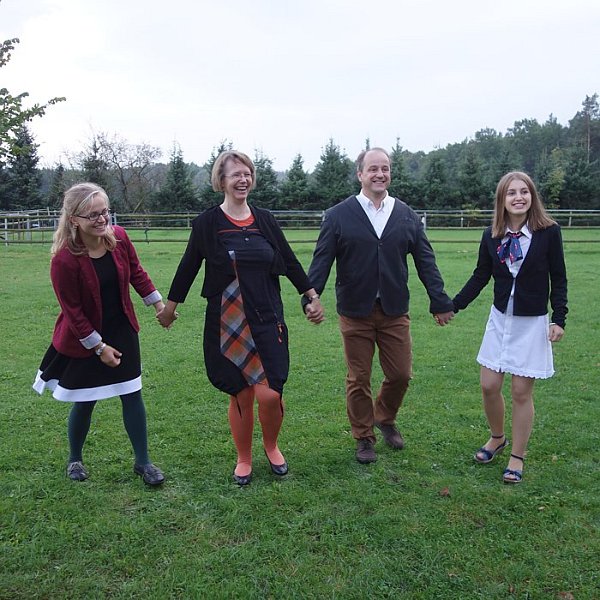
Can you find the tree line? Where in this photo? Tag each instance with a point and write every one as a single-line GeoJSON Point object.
{"type": "Point", "coordinates": [564, 161]}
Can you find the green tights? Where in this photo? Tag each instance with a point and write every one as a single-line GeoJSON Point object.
{"type": "Point", "coordinates": [134, 419]}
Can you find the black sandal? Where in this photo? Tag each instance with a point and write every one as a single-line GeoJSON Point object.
{"type": "Point", "coordinates": [513, 475]}
{"type": "Point", "coordinates": [490, 454]}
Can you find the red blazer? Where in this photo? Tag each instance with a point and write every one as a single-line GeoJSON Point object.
{"type": "Point", "coordinates": [79, 324]}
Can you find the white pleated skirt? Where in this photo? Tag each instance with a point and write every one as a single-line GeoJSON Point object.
{"type": "Point", "coordinates": [517, 345]}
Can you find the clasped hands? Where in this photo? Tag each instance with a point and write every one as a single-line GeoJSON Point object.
{"type": "Point", "coordinates": [443, 318]}
{"type": "Point", "coordinates": [314, 311]}
{"type": "Point", "coordinates": [166, 314]}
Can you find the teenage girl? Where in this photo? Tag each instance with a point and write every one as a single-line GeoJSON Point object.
{"type": "Point", "coordinates": [523, 252]}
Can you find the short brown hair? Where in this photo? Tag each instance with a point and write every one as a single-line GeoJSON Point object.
{"type": "Point", "coordinates": [218, 170]}
{"type": "Point", "coordinates": [537, 217]}
{"type": "Point", "coordinates": [360, 159]}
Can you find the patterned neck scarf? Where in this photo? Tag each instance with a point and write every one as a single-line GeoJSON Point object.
{"type": "Point", "coordinates": [511, 249]}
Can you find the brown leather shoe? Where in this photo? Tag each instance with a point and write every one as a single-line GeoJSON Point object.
{"type": "Point", "coordinates": [391, 435]}
{"type": "Point", "coordinates": [365, 451]}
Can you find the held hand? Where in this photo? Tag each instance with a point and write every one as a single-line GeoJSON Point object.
{"type": "Point", "coordinates": [159, 306]}
{"type": "Point", "coordinates": [110, 356]}
{"type": "Point", "coordinates": [314, 312]}
{"type": "Point", "coordinates": [443, 318]}
{"type": "Point", "coordinates": [166, 317]}
{"type": "Point", "coordinates": [555, 333]}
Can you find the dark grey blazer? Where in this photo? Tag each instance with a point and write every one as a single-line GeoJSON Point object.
{"type": "Point", "coordinates": [366, 264]}
{"type": "Point", "coordinates": [542, 276]}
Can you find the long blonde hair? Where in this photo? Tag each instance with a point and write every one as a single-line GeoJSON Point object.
{"type": "Point", "coordinates": [537, 217]}
{"type": "Point", "coordinates": [77, 198]}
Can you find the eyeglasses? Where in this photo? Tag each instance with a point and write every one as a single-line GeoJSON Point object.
{"type": "Point", "coordinates": [95, 216]}
{"type": "Point", "coordinates": [238, 176]}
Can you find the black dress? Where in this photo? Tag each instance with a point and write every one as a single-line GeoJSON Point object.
{"type": "Point", "coordinates": [86, 379]}
{"type": "Point", "coordinates": [263, 309]}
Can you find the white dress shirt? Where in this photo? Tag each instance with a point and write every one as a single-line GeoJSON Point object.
{"type": "Point", "coordinates": [378, 216]}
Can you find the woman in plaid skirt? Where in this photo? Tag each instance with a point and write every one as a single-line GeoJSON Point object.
{"type": "Point", "coordinates": [245, 335]}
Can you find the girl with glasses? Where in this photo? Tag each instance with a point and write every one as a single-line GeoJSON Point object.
{"type": "Point", "coordinates": [95, 352]}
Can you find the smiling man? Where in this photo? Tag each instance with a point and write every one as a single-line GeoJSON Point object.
{"type": "Point", "coordinates": [369, 237]}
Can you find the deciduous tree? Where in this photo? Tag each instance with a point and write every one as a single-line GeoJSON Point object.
{"type": "Point", "coordinates": [129, 169]}
{"type": "Point", "coordinates": [551, 177]}
{"type": "Point", "coordinates": [13, 114]}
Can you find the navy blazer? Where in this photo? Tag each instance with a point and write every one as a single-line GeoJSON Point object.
{"type": "Point", "coordinates": [366, 264]}
{"type": "Point", "coordinates": [542, 276]}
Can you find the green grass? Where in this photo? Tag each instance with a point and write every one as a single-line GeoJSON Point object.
{"type": "Point", "coordinates": [332, 528]}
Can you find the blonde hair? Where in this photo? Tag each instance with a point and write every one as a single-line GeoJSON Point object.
{"type": "Point", "coordinates": [77, 198]}
{"type": "Point", "coordinates": [537, 217]}
{"type": "Point", "coordinates": [218, 170]}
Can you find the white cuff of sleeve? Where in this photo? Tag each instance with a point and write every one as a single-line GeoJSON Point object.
{"type": "Point", "coordinates": [152, 298]}
{"type": "Point", "coordinates": [91, 340]}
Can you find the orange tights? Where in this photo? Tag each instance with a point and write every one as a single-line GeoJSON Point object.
{"type": "Point", "coordinates": [241, 421]}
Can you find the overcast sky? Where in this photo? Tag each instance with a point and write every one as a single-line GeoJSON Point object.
{"type": "Point", "coordinates": [283, 77]}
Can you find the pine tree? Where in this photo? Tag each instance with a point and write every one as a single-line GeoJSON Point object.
{"type": "Point", "coordinates": [266, 192]}
{"type": "Point", "coordinates": [401, 185]}
{"type": "Point", "coordinates": [332, 179]}
{"type": "Point", "coordinates": [178, 193]}
{"type": "Point", "coordinates": [5, 198]}
{"type": "Point", "coordinates": [23, 185]}
{"type": "Point", "coordinates": [472, 189]}
{"type": "Point", "coordinates": [294, 189]}
{"type": "Point", "coordinates": [435, 182]}
{"type": "Point", "coordinates": [58, 187]}
{"type": "Point", "coordinates": [208, 197]}
{"type": "Point", "coordinates": [585, 128]}
{"type": "Point", "coordinates": [94, 167]}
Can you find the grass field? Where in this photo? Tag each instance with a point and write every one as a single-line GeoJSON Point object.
{"type": "Point", "coordinates": [426, 522]}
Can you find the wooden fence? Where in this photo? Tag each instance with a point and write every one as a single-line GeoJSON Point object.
{"type": "Point", "coordinates": [37, 226]}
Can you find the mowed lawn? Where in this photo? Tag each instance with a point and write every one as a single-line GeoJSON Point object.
{"type": "Point", "coordinates": [425, 522]}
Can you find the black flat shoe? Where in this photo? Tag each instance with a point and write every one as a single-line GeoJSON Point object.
{"type": "Point", "coordinates": [76, 471]}
{"type": "Point", "coordinates": [278, 469]}
{"type": "Point", "coordinates": [150, 474]}
{"type": "Point", "coordinates": [242, 479]}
